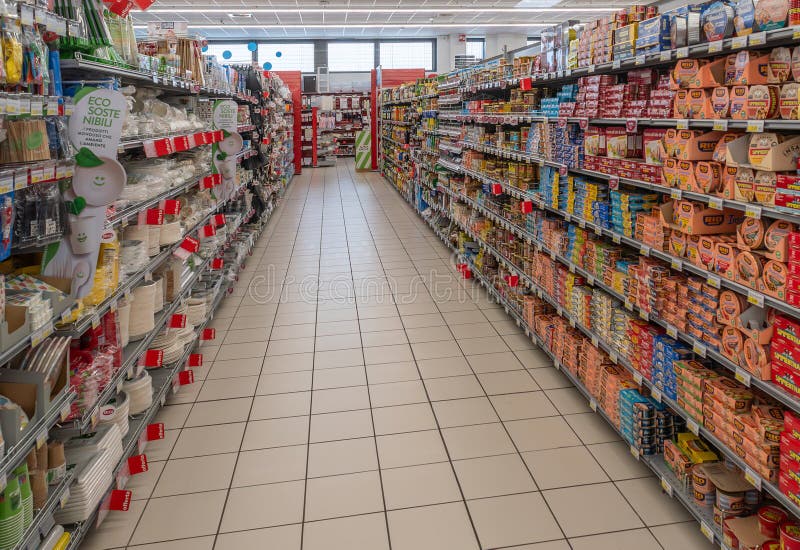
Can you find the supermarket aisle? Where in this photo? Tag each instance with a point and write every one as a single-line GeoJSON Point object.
{"type": "Point", "coordinates": [364, 398]}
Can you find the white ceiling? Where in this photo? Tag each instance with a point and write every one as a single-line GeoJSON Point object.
{"type": "Point", "coordinates": [277, 19]}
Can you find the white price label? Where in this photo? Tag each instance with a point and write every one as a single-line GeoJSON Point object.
{"type": "Point", "coordinates": [644, 250]}
{"type": "Point", "coordinates": [637, 377]}
{"type": "Point", "coordinates": [756, 126]}
{"type": "Point", "coordinates": [699, 349]}
{"type": "Point", "coordinates": [665, 56]}
{"type": "Point", "coordinates": [739, 42]}
{"type": "Point", "coordinates": [616, 64]}
{"type": "Point", "coordinates": [676, 264]}
{"type": "Point", "coordinates": [743, 376]}
{"type": "Point", "coordinates": [613, 356]}
{"type": "Point", "coordinates": [672, 331]}
{"type": "Point", "coordinates": [634, 452]}
{"type": "Point", "coordinates": [715, 203]}
{"type": "Point", "coordinates": [641, 59]}
{"type": "Point", "coordinates": [758, 38]}
{"type": "Point", "coordinates": [682, 52]}
{"type": "Point", "coordinates": [693, 426]}
{"type": "Point", "coordinates": [676, 194]}
{"type": "Point", "coordinates": [656, 394]}
{"type": "Point", "coordinates": [721, 125]}
{"type": "Point", "coordinates": [682, 124]}
{"type": "Point", "coordinates": [666, 486]}
{"type": "Point", "coordinates": [595, 341]}
{"type": "Point", "coordinates": [715, 46]}
{"type": "Point", "coordinates": [753, 211]}
{"type": "Point", "coordinates": [755, 298]}
{"type": "Point", "coordinates": [615, 237]}
{"type": "Point", "coordinates": [593, 404]}
{"type": "Point", "coordinates": [752, 478]}
{"type": "Point", "coordinates": [713, 281]}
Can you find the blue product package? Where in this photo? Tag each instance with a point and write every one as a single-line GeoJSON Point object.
{"type": "Point", "coordinates": [6, 224]}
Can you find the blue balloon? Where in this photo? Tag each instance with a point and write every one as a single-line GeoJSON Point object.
{"type": "Point", "coordinates": [204, 49]}
{"type": "Point", "coordinates": [227, 54]}
{"type": "Point", "coordinates": [267, 66]}
{"type": "Point", "coordinates": [252, 46]}
{"type": "Point", "coordinates": [278, 54]}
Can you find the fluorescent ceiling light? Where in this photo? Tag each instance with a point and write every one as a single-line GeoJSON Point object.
{"type": "Point", "coordinates": [364, 26]}
{"type": "Point", "coordinates": [446, 9]}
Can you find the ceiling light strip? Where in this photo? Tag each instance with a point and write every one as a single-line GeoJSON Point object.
{"type": "Point", "coordinates": [443, 10]}
{"type": "Point", "coordinates": [367, 25]}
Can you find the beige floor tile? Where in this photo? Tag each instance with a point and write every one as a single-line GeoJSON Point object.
{"type": "Point", "coordinates": [549, 378]}
{"type": "Point", "coordinates": [161, 449]}
{"type": "Point", "coordinates": [285, 537]}
{"type": "Point", "coordinates": [207, 440]}
{"type": "Point", "coordinates": [300, 318]}
{"type": "Point", "coordinates": [409, 449]}
{"type": "Point", "coordinates": [591, 510]}
{"type": "Point", "coordinates": [384, 338]}
{"type": "Point", "coordinates": [568, 400]}
{"type": "Point", "coordinates": [341, 425]}
{"type": "Point", "coordinates": [280, 405]}
{"type": "Point", "coordinates": [387, 354]}
{"type": "Point", "coordinates": [536, 434]}
{"type": "Point", "coordinates": [174, 416]}
{"type": "Point", "coordinates": [343, 495]}
{"type": "Point", "coordinates": [288, 332]}
{"type": "Point", "coordinates": [477, 441]}
{"type": "Point", "coordinates": [288, 363]}
{"type": "Point", "coordinates": [464, 412]}
{"type": "Point", "coordinates": [564, 467]}
{"type": "Point", "coordinates": [338, 358]}
{"type": "Point", "coordinates": [340, 378]}
{"type": "Point", "coordinates": [342, 457]}
{"type": "Point", "coordinates": [403, 418]}
{"type": "Point", "coordinates": [228, 388]}
{"type": "Point", "coordinates": [194, 475]}
{"type": "Point", "coordinates": [225, 411]}
{"type": "Point", "coordinates": [397, 393]}
{"type": "Point", "coordinates": [195, 543]}
{"type": "Point", "coordinates": [338, 327]}
{"type": "Point", "coordinates": [474, 330]}
{"type": "Point", "coordinates": [444, 368]}
{"type": "Point", "coordinates": [533, 358]}
{"type": "Point", "coordinates": [384, 373]}
{"type": "Point", "coordinates": [436, 350]}
{"type": "Point", "coordinates": [291, 346]}
{"type": "Point", "coordinates": [488, 344]}
{"type": "Point", "coordinates": [277, 432]}
{"type": "Point", "coordinates": [364, 531]}
{"type": "Point", "coordinates": [518, 342]}
{"type": "Point", "coordinates": [116, 529]}
{"type": "Point", "coordinates": [234, 368]}
{"type": "Point", "coordinates": [653, 506]}
{"type": "Point", "coordinates": [263, 506]}
{"type": "Point", "coordinates": [179, 517]}
{"type": "Point", "coordinates": [464, 317]}
{"type": "Point", "coordinates": [514, 381]}
{"type": "Point", "coordinates": [340, 399]}
{"type": "Point", "coordinates": [519, 406]}
{"type": "Point", "coordinates": [247, 335]}
{"type": "Point", "coordinates": [455, 387]}
{"type": "Point", "coordinates": [241, 351]}
{"type": "Point", "coordinates": [494, 362]}
{"type": "Point", "coordinates": [284, 382]}
{"type": "Point", "coordinates": [635, 539]}
{"type": "Point", "coordinates": [380, 324]}
{"type": "Point", "coordinates": [493, 476]}
{"type": "Point", "coordinates": [420, 485]}
{"type": "Point", "coordinates": [615, 458]}
{"type": "Point", "coordinates": [141, 485]}
{"type": "Point", "coordinates": [512, 520]}
{"type": "Point", "coordinates": [338, 341]}
{"type": "Point", "coordinates": [592, 428]}
{"type": "Point", "coordinates": [424, 528]}
{"type": "Point", "coordinates": [423, 321]}
{"type": "Point", "coordinates": [270, 466]}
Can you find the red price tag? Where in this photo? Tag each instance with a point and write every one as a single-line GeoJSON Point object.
{"type": "Point", "coordinates": [513, 280]}
{"type": "Point", "coordinates": [177, 321]}
{"type": "Point", "coordinates": [527, 207]}
{"type": "Point", "coordinates": [218, 135]}
{"type": "Point", "coordinates": [195, 359]}
{"type": "Point", "coordinates": [525, 83]}
{"type": "Point", "coordinates": [613, 183]}
{"type": "Point", "coordinates": [217, 263]}
{"type": "Point", "coordinates": [209, 230]}
{"type": "Point", "coordinates": [137, 464]}
{"type": "Point", "coordinates": [631, 125]}
{"type": "Point", "coordinates": [120, 7]}
{"type": "Point", "coordinates": [467, 273]}
{"type": "Point", "coordinates": [562, 122]}
{"type": "Point", "coordinates": [208, 334]}
{"type": "Point", "coordinates": [190, 244]}
{"type": "Point", "coordinates": [155, 431]}
{"type": "Point", "coordinates": [200, 138]}
{"type": "Point", "coordinates": [219, 219]}
{"type": "Point", "coordinates": [153, 358]}
{"type": "Point", "coordinates": [181, 143]}
{"type": "Point", "coordinates": [158, 147]}
{"type": "Point", "coordinates": [210, 181]}
{"type": "Point", "coordinates": [562, 170]}
{"type": "Point", "coordinates": [583, 123]}
{"type": "Point", "coordinates": [119, 500]}
{"type": "Point", "coordinates": [144, 4]}
{"type": "Point", "coordinates": [154, 216]}
{"type": "Point", "coordinates": [172, 207]}
{"type": "Point", "coordinates": [497, 188]}
{"type": "Point", "coordinates": [185, 377]}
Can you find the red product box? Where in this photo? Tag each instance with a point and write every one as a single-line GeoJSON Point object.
{"type": "Point", "coordinates": [787, 200]}
{"type": "Point", "coordinates": [789, 487]}
{"type": "Point", "coordinates": [793, 298]}
{"type": "Point", "coordinates": [786, 378]}
{"type": "Point", "coordinates": [788, 182]}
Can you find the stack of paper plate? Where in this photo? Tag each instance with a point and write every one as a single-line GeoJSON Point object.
{"type": "Point", "coordinates": [140, 393]}
{"type": "Point", "coordinates": [12, 519]}
{"type": "Point", "coordinates": [92, 458]}
{"type": "Point", "coordinates": [116, 412]}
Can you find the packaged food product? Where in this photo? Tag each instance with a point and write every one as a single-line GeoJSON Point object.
{"type": "Point", "coordinates": [772, 14]}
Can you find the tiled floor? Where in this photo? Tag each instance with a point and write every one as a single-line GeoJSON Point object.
{"type": "Point", "coordinates": [363, 398]}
